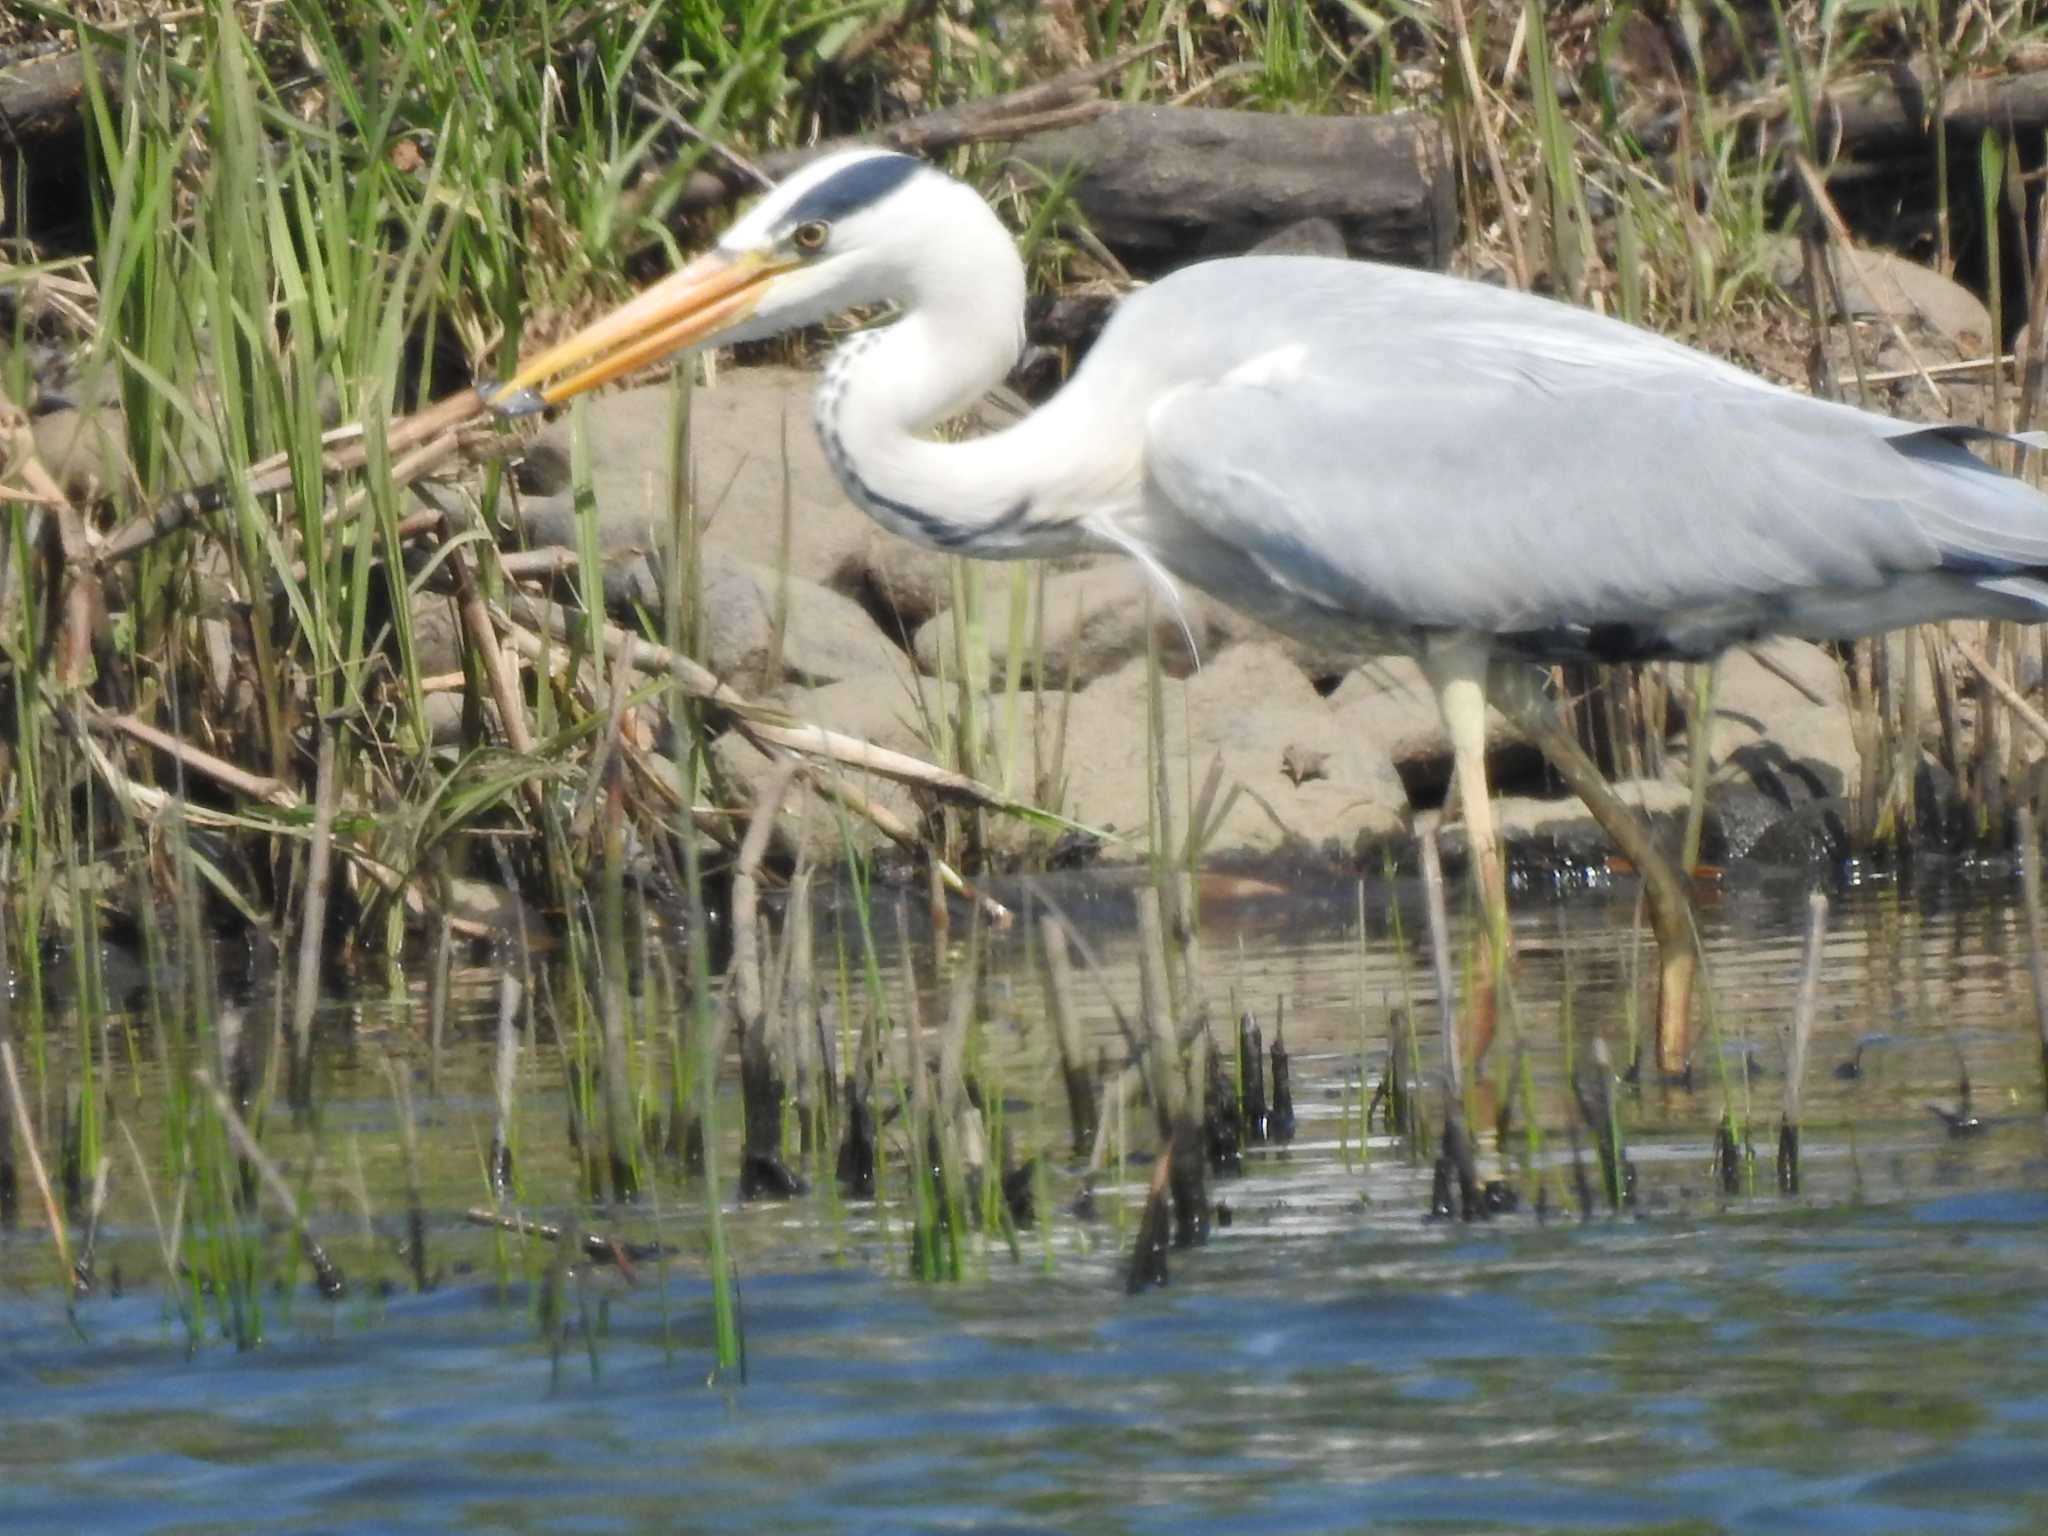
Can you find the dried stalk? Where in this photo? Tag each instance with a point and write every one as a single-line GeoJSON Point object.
{"type": "Point", "coordinates": [313, 916]}
{"type": "Point", "coordinates": [2037, 960]}
{"type": "Point", "coordinates": [324, 1273]}
{"type": "Point", "coordinates": [58, 1234]}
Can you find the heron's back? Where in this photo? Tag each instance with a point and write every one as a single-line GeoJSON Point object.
{"type": "Point", "coordinates": [1408, 452]}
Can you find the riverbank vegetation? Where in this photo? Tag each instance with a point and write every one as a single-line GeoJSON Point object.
{"type": "Point", "coordinates": [260, 239]}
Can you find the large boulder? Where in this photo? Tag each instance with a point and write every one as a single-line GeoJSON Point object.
{"type": "Point", "coordinates": [1096, 621]}
{"type": "Point", "coordinates": [896, 713]}
{"type": "Point", "coordinates": [1768, 735]}
{"type": "Point", "coordinates": [1304, 778]}
{"type": "Point", "coordinates": [1886, 286]}
{"type": "Point", "coordinates": [1903, 320]}
{"type": "Point", "coordinates": [902, 584]}
{"type": "Point", "coordinates": [753, 450]}
{"type": "Point", "coordinates": [1388, 702]}
{"type": "Point", "coordinates": [759, 624]}
{"type": "Point", "coordinates": [823, 636]}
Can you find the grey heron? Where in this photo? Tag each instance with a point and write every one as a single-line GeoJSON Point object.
{"type": "Point", "coordinates": [1362, 456]}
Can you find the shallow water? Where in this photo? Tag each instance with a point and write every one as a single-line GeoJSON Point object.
{"type": "Point", "coordinates": [1866, 1357]}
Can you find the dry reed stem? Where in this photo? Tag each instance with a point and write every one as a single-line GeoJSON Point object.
{"type": "Point", "coordinates": [1814, 186]}
{"type": "Point", "coordinates": [529, 620]}
{"type": "Point", "coordinates": [2001, 685]}
{"type": "Point", "coordinates": [249, 785]}
{"type": "Point", "coordinates": [1803, 1008]}
{"type": "Point", "coordinates": [826, 779]}
{"type": "Point", "coordinates": [1109, 1111]}
{"type": "Point", "coordinates": [1059, 990]}
{"type": "Point", "coordinates": [1475, 91]}
{"type": "Point", "coordinates": [1790, 679]}
{"type": "Point", "coordinates": [250, 1147]}
{"type": "Point", "coordinates": [313, 915]}
{"type": "Point", "coordinates": [58, 1235]}
{"type": "Point", "coordinates": [347, 450]}
{"type": "Point", "coordinates": [913, 1030]}
{"type": "Point", "coordinates": [478, 624]}
{"type": "Point", "coordinates": [748, 989]}
{"type": "Point", "coordinates": [776, 741]}
{"type": "Point", "coordinates": [812, 1055]}
{"type": "Point", "coordinates": [1162, 1050]}
{"type": "Point", "coordinates": [168, 1242]}
{"type": "Point", "coordinates": [1440, 953]}
{"type": "Point", "coordinates": [273, 1178]}
{"type": "Point", "coordinates": [80, 612]}
{"type": "Point", "coordinates": [2037, 959]}
{"type": "Point", "coordinates": [1664, 888]}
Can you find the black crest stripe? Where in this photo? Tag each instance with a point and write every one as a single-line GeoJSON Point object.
{"type": "Point", "coordinates": [862, 183]}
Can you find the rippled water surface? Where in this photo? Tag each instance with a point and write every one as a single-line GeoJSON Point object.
{"type": "Point", "coordinates": [1869, 1356]}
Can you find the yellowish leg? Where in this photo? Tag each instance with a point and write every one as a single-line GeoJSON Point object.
{"type": "Point", "coordinates": [1665, 892]}
{"type": "Point", "coordinates": [1456, 666]}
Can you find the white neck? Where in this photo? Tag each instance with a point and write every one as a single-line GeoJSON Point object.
{"type": "Point", "coordinates": [1011, 495]}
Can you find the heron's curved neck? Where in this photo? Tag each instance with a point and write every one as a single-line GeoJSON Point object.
{"type": "Point", "coordinates": [997, 497]}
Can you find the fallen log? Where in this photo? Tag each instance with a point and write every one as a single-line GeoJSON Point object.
{"type": "Point", "coordinates": [1056, 103]}
{"type": "Point", "coordinates": [41, 96]}
{"type": "Point", "coordinates": [1161, 186]}
{"type": "Point", "coordinates": [1894, 112]}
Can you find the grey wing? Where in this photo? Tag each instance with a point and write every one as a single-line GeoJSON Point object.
{"type": "Point", "coordinates": [1503, 497]}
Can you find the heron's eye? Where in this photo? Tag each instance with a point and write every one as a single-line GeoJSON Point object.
{"type": "Point", "coordinates": [809, 237]}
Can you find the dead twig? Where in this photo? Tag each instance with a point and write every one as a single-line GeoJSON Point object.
{"type": "Point", "coordinates": [1999, 684]}
{"type": "Point", "coordinates": [427, 430]}
{"type": "Point", "coordinates": [248, 785]}
{"type": "Point", "coordinates": [605, 1250]}
{"type": "Point", "coordinates": [325, 1274]}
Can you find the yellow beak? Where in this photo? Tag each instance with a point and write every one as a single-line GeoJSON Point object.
{"type": "Point", "coordinates": [689, 306]}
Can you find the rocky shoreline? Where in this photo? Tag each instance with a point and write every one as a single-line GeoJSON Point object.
{"type": "Point", "coordinates": [848, 628]}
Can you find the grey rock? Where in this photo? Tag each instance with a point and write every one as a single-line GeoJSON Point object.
{"type": "Point", "coordinates": [752, 450]}
{"type": "Point", "coordinates": [1814, 835]}
{"type": "Point", "coordinates": [84, 450]}
{"type": "Point", "coordinates": [892, 713]}
{"type": "Point", "coordinates": [902, 584]}
{"type": "Point", "coordinates": [1096, 620]}
{"type": "Point", "coordinates": [1250, 704]}
{"type": "Point", "coordinates": [1884, 285]}
{"type": "Point", "coordinates": [1388, 702]}
{"type": "Point", "coordinates": [1304, 237]}
{"type": "Point", "coordinates": [1769, 737]}
{"type": "Point", "coordinates": [487, 909]}
{"type": "Point", "coordinates": [443, 714]}
{"type": "Point", "coordinates": [826, 638]}
{"type": "Point", "coordinates": [436, 635]}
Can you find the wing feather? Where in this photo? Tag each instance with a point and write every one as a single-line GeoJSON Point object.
{"type": "Point", "coordinates": [1474, 459]}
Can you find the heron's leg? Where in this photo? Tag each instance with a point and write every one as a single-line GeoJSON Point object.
{"type": "Point", "coordinates": [1665, 892]}
{"type": "Point", "coordinates": [1456, 666]}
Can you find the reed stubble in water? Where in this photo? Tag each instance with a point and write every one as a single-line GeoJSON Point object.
{"type": "Point", "coordinates": [10, 1191]}
{"type": "Point", "coordinates": [327, 1276]}
{"type": "Point", "coordinates": [1066, 1018]}
{"type": "Point", "coordinates": [1173, 1096]}
{"type": "Point", "coordinates": [763, 1066]}
{"type": "Point", "coordinates": [2037, 957]}
{"type": "Point", "coordinates": [1799, 1037]}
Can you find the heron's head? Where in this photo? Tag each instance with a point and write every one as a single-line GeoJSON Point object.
{"type": "Point", "coordinates": [859, 227]}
